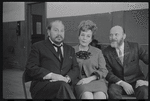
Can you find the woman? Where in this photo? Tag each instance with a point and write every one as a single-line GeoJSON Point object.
{"type": "Point", "coordinates": [92, 83]}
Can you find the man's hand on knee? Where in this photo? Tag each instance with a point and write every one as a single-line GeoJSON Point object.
{"type": "Point", "coordinates": [141, 83]}
{"type": "Point", "coordinates": [57, 77]}
{"type": "Point", "coordinates": [127, 87]}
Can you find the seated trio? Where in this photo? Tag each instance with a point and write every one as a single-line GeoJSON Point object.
{"type": "Point", "coordinates": [60, 71]}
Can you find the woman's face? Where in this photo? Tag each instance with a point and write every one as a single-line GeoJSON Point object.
{"type": "Point", "coordinates": [85, 37]}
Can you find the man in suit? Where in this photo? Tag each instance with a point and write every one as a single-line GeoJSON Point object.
{"type": "Point", "coordinates": [122, 61]}
{"type": "Point", "coordinates": [52, 65]}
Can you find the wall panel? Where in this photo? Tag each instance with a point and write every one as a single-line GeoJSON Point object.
{"type": "Point", "coordinates": [14, 47]}
{"type": "Point", "coordinates": [136, 25]}
{"type": "Point", "coordinates": [118, 18]}
{"type": "Point", "coordinates": [13, 11]}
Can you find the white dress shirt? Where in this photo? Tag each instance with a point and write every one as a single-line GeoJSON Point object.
{"type": "Point", "coordinates": [121, 48]}
{"type": "Point", "coordinates": [56, 47]}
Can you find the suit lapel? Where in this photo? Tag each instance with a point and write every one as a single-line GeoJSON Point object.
{"type": "Point", "coordinates": [116, 56]}
{"type": "Point", "coordinates": [126, 52]}
{"type": "Point", "coordinates": [50, 46]}
{"type": "Point", "coordinates": [66, 55]}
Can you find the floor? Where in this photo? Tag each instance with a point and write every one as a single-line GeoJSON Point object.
{"type": "Point", "coordinates": [12, 84]}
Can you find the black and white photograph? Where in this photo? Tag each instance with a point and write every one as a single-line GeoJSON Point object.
{"type": "Point", "coordinates": [75, 50]}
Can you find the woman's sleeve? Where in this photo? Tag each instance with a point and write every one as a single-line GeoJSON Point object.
{"type": "Point", "coordinates": [102, 70]}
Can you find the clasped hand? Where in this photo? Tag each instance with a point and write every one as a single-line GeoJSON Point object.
{"type": "Point", "coordinates": [84, 81]}
{"type": "Point", "coordinates": [127, 87]}
{"type": "Point", "coordinates": [55, 77]}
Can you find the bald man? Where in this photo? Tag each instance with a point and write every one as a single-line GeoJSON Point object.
{"type": "Point", "coordinates": [122, 61]}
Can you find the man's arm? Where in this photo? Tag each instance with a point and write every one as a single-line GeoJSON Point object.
{"type": "Point", "coordinates": [102, 70]}
{"type": "Point", "coordinates": [33, 67]}
{"type": "Point", "coordinates": [110, 76]}
{"type": "Point", "coordinates": [74, 71]}
{"type": "Point", "coordinates": [143, 54]}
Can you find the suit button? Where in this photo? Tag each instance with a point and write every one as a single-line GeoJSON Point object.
{"type": "Point", "coordinates": [61, 70]}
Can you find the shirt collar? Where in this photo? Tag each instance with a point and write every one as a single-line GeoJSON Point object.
{"type": "Point", "coordinates": [54, 43]}
{"type": "Point", "coordinates": [122, 46]}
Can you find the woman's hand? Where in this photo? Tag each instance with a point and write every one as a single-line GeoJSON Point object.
{"type": "Point", "coordinates": [86, 80]}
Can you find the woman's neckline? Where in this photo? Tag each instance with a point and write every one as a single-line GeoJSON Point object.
{"type": "Point", "coordinates": [79, 46]}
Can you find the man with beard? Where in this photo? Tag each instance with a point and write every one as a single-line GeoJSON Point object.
{"type": "Point", "coordinates": [122, 61]}
{"type": "Point", "coordinates": [52, 65]}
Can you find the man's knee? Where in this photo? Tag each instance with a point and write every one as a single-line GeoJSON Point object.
{"type": "Point", "coordinates": [63, 84]}
{"type": "Point", "coordinates": [143, 89]}
{"type": "Point", "coordinates": [114, 88]}
{"type": "Point", "coordinates": [142, 92]}
{"type": "Point", "coordinates": [115, 91]}
{"type": "Point", "coordinates": [65, 91]}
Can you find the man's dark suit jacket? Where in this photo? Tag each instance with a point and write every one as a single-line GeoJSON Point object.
{"type": "Point", "coordinates": [130, 70]}
{"type": "Point", "coordinates": [43, 59]}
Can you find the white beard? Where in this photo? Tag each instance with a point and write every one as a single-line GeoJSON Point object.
{"type": "Point", "coordinates": [117, 44]}
{"type": "Point", "coordinates": [114, 44]}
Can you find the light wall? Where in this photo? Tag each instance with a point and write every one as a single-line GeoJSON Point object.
{"type": "Point", "coordinates": [13, 11]}
{"type": "Point", "coordinates": [62, 9]}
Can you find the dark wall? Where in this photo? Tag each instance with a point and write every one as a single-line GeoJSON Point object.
{"type": "Point", "coordinates": [14, 46]}
{"type": "Point", "coordinates": [136, 25]}
{"type": "Point", "coordinates": [134, 22]}
{"type": "Point", "coordinates": [103, 22]}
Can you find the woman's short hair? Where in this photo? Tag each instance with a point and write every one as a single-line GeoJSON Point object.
{"type": "Point", "coordinates": [86, 25]}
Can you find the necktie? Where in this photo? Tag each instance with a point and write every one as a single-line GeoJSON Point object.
{"type": "Point", "coordinates": [121, 56]}
{"type": "Point", "coordinates": [59, 52]}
